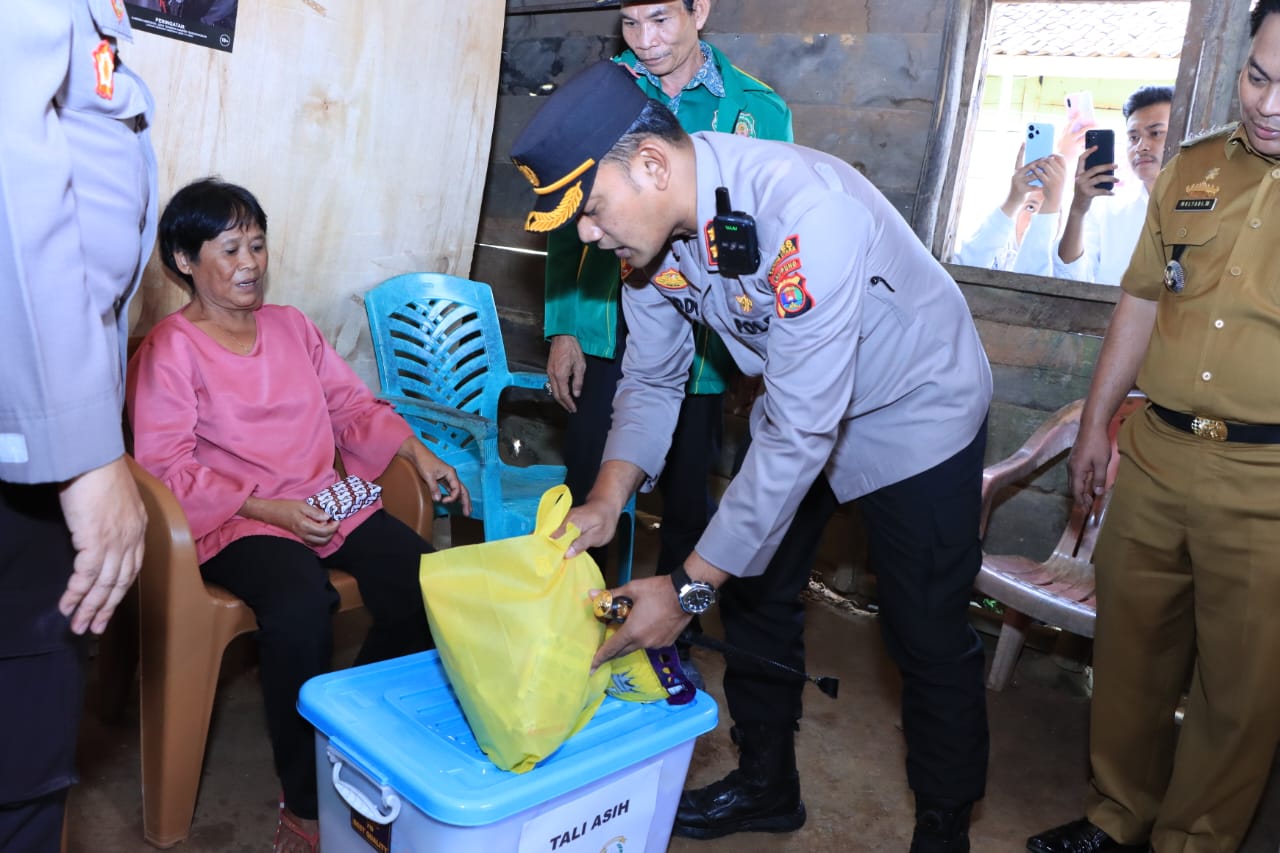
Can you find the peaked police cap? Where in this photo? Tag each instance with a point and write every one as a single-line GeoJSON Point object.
{"type": "Point", "coordinates": [559, 149]}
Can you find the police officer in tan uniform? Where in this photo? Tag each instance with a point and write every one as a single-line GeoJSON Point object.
{"type": "Point", "coordinates": [1188, 562]}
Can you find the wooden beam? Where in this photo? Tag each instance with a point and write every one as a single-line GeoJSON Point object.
{"type": "Point", "coordinates": [1213, 52]}
{"type": "Point", "coordinates": [535, 7]}
{"type": "Point", "coordinates": [963, 42]}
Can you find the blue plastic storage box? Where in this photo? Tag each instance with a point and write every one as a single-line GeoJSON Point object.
{"type": "Point", "coordinates": [399, 771]}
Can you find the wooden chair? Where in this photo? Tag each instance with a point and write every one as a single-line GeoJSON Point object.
{"type": "Point", "coordinates": [1060, 590]}
{"type": "Point", "coordinates": [185, 625]}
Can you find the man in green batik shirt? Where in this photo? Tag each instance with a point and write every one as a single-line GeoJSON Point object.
{"type": "Point", "coordinates": [583, 320]}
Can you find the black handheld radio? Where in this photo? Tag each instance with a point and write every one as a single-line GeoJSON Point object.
{"type": "Point", "coordinates": [737, 247]}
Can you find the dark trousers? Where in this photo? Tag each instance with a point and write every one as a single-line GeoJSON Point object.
{"type": "Point", "coordinates": [925, 552]}
{"type": "Point", "coordinates": [686, 500]}
{"type": "Point", "coordinates": [287, 587]}
{"type": "Point", "coordinates": [42, 665]}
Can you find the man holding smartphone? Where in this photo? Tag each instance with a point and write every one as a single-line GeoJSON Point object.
{"type": "Point", "coordinates": [1187, 573]}
{"type": "Point", "coordinates": [1098, 241]}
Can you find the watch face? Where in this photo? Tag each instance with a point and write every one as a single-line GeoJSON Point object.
{"type": "Point", "coordinates": [697, 597]}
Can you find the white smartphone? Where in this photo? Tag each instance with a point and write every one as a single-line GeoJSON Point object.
{"type": "Point", "coordinates": [1079, 111]}
{"type": "Point", "coordinates": [1039, 144]}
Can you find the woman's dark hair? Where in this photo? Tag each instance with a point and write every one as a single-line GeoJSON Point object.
{"type": "Point", "coordinates": [201, 211]}
{"type": "Point", "coordinates": [1259, 13]}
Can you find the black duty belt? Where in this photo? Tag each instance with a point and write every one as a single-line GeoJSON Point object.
{"type": "Point", "coordinates": [1213, 429]}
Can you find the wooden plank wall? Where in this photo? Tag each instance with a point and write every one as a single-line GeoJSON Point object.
{"type": "Point", "coordinates": [1042, 337]}
{"type": "Point", "coordinates": [860, 77]}
{"type": "Point", "coordinates": [363, 128]}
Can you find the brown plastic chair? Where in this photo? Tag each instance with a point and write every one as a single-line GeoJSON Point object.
{"type": "Point", "coordinates": [185, 625]}
{"type": "Point", "coordinates": [1060, 590]}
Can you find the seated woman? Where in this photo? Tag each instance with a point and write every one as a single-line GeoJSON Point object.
{"type": "Point", "coordinates": [239, 407]}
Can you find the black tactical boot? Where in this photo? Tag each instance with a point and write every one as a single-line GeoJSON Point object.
{"type": "Point", "coordinates": [762, 795]}
{"type": "Point", "coordinates": [941, 828]}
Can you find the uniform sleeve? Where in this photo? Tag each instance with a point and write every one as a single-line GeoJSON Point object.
{"type": "Point", "coordinates": [367, 431]}
{"type": "Point", "coordinates": [60, 401]}
{"type": "Point", "coordinates": [808, 377]}
{"type": "Point", "coordinates": [564, 257]}
{"type": "Point", "coordinates": [1144, 276]}
{"type": "Point", "coordinates": [162, 394]}
{"type": "Point", "coordinates": [1039, 243]}
{"type": "Point", "coordinates": [786, 132]}
{"type": "Point", "coordinates": [655, 366]}
{"type": "Point", "coordinates": [986, 246]}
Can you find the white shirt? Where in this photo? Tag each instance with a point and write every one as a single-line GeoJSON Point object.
{"type": "Point", "coordinates": [1111, 230]}
{"type": "Point", "coordinates": [994, 245]}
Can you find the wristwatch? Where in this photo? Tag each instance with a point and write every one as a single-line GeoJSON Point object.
{"type": "Point", "coordinates": [696, 597]}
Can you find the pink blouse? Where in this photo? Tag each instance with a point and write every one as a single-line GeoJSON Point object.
{"type": "Point", "coordinates": [217, 427]}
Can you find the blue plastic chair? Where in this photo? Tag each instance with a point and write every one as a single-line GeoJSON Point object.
{"type": "Point", "coordinates": [442, 364]}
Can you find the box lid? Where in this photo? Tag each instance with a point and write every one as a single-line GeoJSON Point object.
{"type": "Point", "coordinates": [401, 725]}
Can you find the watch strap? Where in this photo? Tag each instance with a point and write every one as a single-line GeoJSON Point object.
{"type": "Point", "coordinates": [680, 579]}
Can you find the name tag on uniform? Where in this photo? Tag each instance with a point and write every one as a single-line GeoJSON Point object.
{"type": "Point", "coordinates": [1195, 204]}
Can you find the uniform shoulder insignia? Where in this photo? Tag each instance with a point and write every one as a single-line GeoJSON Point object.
{"type": "Point", "coordinates": [754, 79]}
{"type": "Point", "coordinates": [1211, 133]}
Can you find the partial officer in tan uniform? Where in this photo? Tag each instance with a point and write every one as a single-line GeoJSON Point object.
{"type": "Point", "coordinates": [1188, 561]}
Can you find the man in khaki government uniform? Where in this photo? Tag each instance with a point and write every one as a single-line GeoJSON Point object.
{"type": "Point", "coordinates": [1188, 562]}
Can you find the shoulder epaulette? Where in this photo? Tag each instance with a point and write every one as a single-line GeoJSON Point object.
{"type": "Point", "coordinates": [1211, 133]}
{"type": "Point", "coordinates": [753, 78]}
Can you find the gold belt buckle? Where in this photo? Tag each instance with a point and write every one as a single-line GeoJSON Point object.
{"type": "Point", "coordinates": [1209, 428]}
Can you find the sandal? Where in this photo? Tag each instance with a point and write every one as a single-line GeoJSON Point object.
{"type": "Point", "coordinates": [288, 824]}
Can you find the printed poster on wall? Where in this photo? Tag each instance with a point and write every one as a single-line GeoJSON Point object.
{"type": "Point", "coordinates": [208, 23]}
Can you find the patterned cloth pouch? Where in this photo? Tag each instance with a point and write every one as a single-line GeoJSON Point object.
{"type": "Point", "coordinates": [346, 497]}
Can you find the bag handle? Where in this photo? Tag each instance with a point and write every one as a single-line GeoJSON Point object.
{"type": "Point", "coordinates": [553, 508]}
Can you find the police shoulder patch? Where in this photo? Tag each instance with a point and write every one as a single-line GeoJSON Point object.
{"type": "Point", "coordinates": [793, 297]}
{"type": "Point", "coordinates": [671, 279]}
{"type": "Point", "coordinates": [787, 261]}
{"type": "Point", "coordinates": [709, 240]}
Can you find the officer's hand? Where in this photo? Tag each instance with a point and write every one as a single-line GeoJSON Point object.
{"type": "Point", "coordinates": [1087, 465]}
{"type": "Point", "coordinates": [565, 369]}
{"type": "Point", "coordinates": [108, 525]}
{"type": "Point", "coordinates": [655, 620]}
{"type": "Point", "coordinates": [596, 523]}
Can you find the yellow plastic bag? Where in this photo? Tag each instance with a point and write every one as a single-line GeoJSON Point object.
{"type": "Point", "coordinates": [514, 626]}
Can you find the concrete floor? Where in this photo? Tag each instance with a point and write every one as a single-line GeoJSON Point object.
{"type": "Point", "coordinates": [850, 752]}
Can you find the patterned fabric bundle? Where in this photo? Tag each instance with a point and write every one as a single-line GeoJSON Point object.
{"type": "Point", "coordinates": [346, 497]}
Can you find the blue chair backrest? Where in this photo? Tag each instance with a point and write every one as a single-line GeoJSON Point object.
{"type": "Point", "coordinates": [436, 337]}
